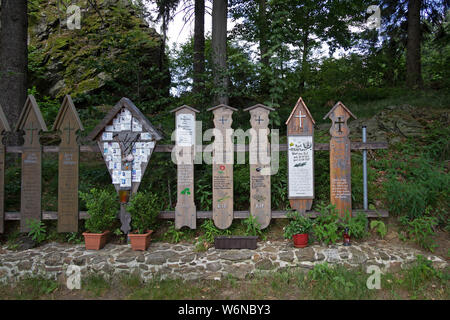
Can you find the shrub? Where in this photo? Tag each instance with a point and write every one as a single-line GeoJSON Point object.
{"type": "Point", "coordinates": [37, 230]}
{"type": "Point", "coordinates": [144, 210]}
{"type": "Point", "coordinates": [421, 231]}
{"type": "Point", "coordinates": [253, 228]}
{"type": "Point", "coordinates": [297, 225]}
{"type": "Point", "coordinates": [102, 207]}
{"type": "Point", "coordinates": [357, 225]}
{"type": "Point", "coordinates": [379, 227]}
{"type": "Point", "coordinates": [326, 226]}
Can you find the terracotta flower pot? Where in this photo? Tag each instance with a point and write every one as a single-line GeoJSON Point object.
{"type": "Point", "coordinates": [140, 241]}
{"type": "Point", "coordinates": [95, 241]}
{"type": "Point", "coordinates": [300, 240]}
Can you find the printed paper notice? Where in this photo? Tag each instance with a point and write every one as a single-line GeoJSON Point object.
{"type": "Point", "coordinates": [185, 130]}
{"type": "Point", "coordinates": [300, 162]}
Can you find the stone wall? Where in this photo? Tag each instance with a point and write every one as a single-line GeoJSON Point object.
{"type": "Point", "coordinates": [181, 261]}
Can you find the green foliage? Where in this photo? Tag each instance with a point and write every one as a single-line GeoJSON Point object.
{"type": "Point", "coordinates": [96, 284]}
{"type": "Point", "coordinates": [253, 227]}
{"type": "Point", "coordinates": [297, 225]}
{"type": "Point", "coordinates": [420, 272]}
{"type": "Point", "coordinates": [357, 225]}
{"type": "Point", "coordinates": [74, 237]}
{"type": "Point", "coordinates": [421, 230]}
{"type": "Point", "coordinates": [144, 209]}
{"type": "Point", "coordinates": [37, 230]}
{"type": "Point", "coordinates": [379, 227]}
{"type": "Point", "coordinates": [174, 234]}
{"type": "Point", "coordinates": [326, 225]}
{"type": "Point", "coordinates": [102, 207]}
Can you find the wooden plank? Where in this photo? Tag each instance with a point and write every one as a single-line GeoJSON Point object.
{"type": "Point", "coordinates": [67, 124]}
{"type": "Point", "coordinates": [340, 159]}
{"type": "Point", "coordinates": [300, 131]}
{"type": "Point", "coordinates": [222, 167]}
{"type": "Point", "coordinates": [4, 127]}
{"type": "Point", "coordinates": [186, 212]}
{"type": "Point", "coordinates": [260, 197]}
{"type": "Point", "coordinates": [31, 123]}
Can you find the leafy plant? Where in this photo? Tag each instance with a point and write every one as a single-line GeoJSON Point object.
{"type": "Point", "coordinates": [297, 225]}
{"type": "Point", "coordinates": [37, 231]}
{"type": "Point", "coordinates": [421, 231]}
{"type": "Point", "coordinates": [357, 225]}
{"type": "Point", "coordinates": [173, 233]}
{"type": "Point", "coordinates": [144, 210]}
{"type": "Point", "coordinates": [379, 227]}
{"type": "Point", "coordinates": [74, 237]}
{"type": "Point", "coordinates": [102, 207]}
{"type": "Point", "coordinates": [253, 227]}
{"type": "Point", "coordinates": [326, 225]}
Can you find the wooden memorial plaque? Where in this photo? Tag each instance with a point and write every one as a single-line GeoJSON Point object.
{"type": "Point", "coordinates": [31, 123]}
{"type": "Point", "coordinates": [300, 132]}
{"type": "Point", "coordinates": [260, 197]}
{"type": "Point", "coordinates": [222, 166]}
{"type": "Point", "coordinates": [185, 210]}
{"type": "Point", "coordinates": [4, 127]}
{"type": "Point", "coordinates": [67, 123]}
{"type": "Point", "coordinates": [340, 159]}
{"type": "Point", "coordinates": [127, 140]}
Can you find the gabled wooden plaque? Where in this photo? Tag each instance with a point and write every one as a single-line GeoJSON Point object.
{"type": "Point", "coordinates": [31, 123]}
{"type": "Point", "coordinates": [185, 210]}
{"type": "Point", "coordinates": [260, 166]}
{"type": "Point", "coordinates": [127, 140]}
{"type": "Point", "coordinates": [223, 159]}
{"type": "Point", "coordinates": [300, 132]}
{"type": "Point", "coordinates": [340, 159]}
{"type": "Point", "coordinates": [4, 127]}
{"type": "Point", "coordinates": [68, 123]}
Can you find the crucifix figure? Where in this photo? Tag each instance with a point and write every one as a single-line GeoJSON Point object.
{"type": "Point", "coordinates": [340, 122]}
{"type": "Point", "coordinates": [68, 129]}
{"type": "Point", "coordinates": [223, 120]}
{"type": "Point", "coordinates": [259, 119]}
{"type": "Point", "coordinates": [300, 116]}
{"type": "Point", "coordinates": [32, 128]}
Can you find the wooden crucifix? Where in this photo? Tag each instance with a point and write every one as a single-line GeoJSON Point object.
{"type": "Point", "coordinates": [127, 140]}
{"type": "Point", "coordinates": [68, 123]}
{"type": "Point", "coordinates": [4, 128]}
{"type": "Point", "coordinates": [260, 164]}
{"type": "Point", "coordinates": [340, 159]}
{"type": "Point", "coordinates": [222, 166]}
{"type": "Point", "coordinates": [185, 210]}
{"type": "Point", "coordinates": [300, 132]}
{"type": "Point", "coordinates": [31, 123]}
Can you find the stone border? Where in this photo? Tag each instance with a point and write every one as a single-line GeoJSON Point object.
{"type": "Point", "coordinates": [166, 260]}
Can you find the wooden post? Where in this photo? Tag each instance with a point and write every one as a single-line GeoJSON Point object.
{"type": "Point", "coordinates": [300, 131]}
{"type": "Point", "coordinates": [126, 139]}
{"type": "Point", "coordinates": [185, 210]}
{"type": "Point", "coordinates": [31, 124]}
{"type": "Point", "coordinates": [4, 127]}
{"type": "Point", "coordinates": [68, 124]}
{"type": "Point", "coordinates": [340, 159]}
{"type": "Point", "coordinates": [223, 160]}
{"type": "Point", "coordinates": [260, 171]}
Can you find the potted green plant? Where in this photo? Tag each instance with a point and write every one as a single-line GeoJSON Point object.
{"type": "Point", "coordinates": [102, 207]}
{"type": "Point", "coordinates": [298, 229]}
{"type": "Point", "coordinates": [144, 210]}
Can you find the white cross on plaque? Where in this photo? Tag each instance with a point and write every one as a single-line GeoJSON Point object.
{"type": "Point", "coordinates": [300, 116]}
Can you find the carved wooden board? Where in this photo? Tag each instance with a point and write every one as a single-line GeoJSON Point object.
{"type": "Point", "coordinates": [300, 131]}
{"type": "Point", "coordinates": [31, 123]}
{"type": "Point", "coordinates": [185, 210]}
{"type": "Point", "coordinates": [340, 159]}
{"type": "Point", "coordinates": [4, 127]}
{"type": "Point", "coordinates": [259, 158]}
{"type": "Point", "coordinates": [68, 123]}
{"type": "Point", "coordinates": [223, 159]}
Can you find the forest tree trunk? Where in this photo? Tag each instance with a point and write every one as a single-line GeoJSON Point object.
{"type": "Point", "coordinates": [263, 45]}
{"type": "Point", "coordinates": [199, 46]}
{"type": "Point", "coordinates": [13, 59]}
{"type": "Point", "coordinates": [219, 51]}
{"type": "Point", "coordinates": [413, 61]}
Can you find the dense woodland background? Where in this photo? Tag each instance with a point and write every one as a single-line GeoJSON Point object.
{"type": "Point", "coordinates": [395, 79]}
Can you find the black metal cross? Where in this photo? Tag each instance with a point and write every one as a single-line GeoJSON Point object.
{"type": "Point", "coordinates": [340, 122]}
{"type": "Point", "coordinates": [223, 120]}
{"type": "Point", "coordinates": [259, 119]}
{"type": "Point", "coordinates": [68, 129]}
{"type": "Point", "coordinates": [32, 129]}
